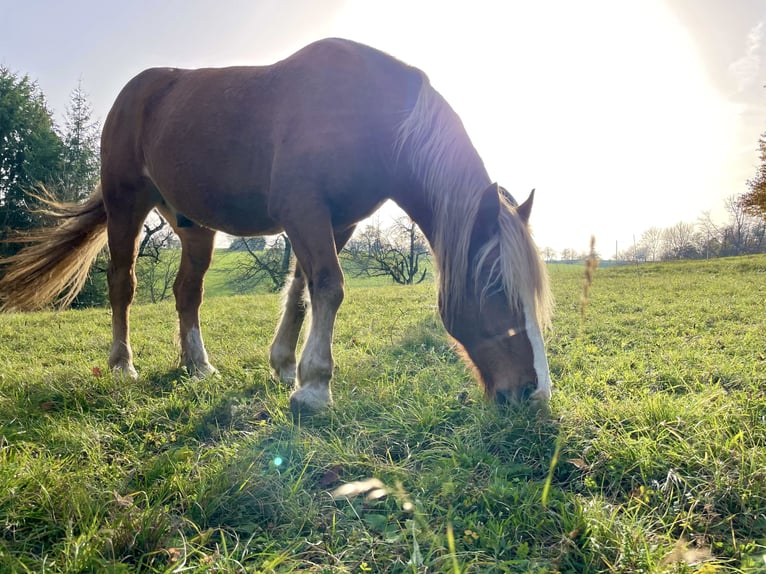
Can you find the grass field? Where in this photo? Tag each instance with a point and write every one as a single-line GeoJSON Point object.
{"type": "Point", "coordinates": [218, 280]}
{"type": "Point", "coordinates": [651, 459]}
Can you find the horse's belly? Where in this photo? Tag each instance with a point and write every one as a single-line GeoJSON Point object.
{"type": "Point", "coordinates": [243, 213]}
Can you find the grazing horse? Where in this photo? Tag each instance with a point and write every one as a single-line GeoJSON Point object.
{"type": "Point", "coordinates": [310, 146]}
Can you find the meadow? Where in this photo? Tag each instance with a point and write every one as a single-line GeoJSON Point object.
{"type": "Point", "coordinates": [650, 458]}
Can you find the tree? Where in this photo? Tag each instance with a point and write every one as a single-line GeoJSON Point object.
{"type": "Point", "coordinates": [271, 265]}
{"type": "Point", "coordinates": [248, 244]}
{"type": "Point", "coordinates": [679, 242]}
{"type": "Point", "coordinates": [636, 253]}
{"type": "Point", "coordinates": [569, 255]}
{"type": "Point", "coordinates": [737, 236]}
{"type": "Point", "coordinates": [30, 153]}
{"type": "Point", "coordinates": [709, 237]}
{"type": "Point", "coordinates": [80, 173]}
{"type": "Point", "coordinates": [80, 170]}
{"type": "Point", "coordinates": [548, 253]}
{"type": "Point", "coordinates": [394, 252]}
{"type": "Point", "coordinates": [754, 201]}
{"type": "Point", "coordinates": [651, 243]}
{"type": "Point", "coordinates": [158, 259]}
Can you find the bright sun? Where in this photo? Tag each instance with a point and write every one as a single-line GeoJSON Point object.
{"type": "Point", "coordinates": [603, 106]}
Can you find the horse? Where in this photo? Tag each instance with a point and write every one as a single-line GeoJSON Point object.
{"type": "Point", "coordinates": [308, 146]}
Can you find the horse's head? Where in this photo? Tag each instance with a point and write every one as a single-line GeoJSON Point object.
{"type": "Point", "coordinates": [497, 322]}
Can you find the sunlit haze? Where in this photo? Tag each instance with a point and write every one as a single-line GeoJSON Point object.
{"type": "Point", "coordinates": [621, 114]}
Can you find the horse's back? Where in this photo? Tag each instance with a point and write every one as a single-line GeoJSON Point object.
{"type": "Point", "coordinates": [328, 113]}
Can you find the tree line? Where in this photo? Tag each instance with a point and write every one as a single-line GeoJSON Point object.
{"type": "Point", "coordinates": [743, 233]}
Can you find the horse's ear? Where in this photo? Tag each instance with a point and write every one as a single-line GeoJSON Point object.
{"type": "Point", "coordinates": [526, 208]}
{"type": "Point", "coordinates": [485, 224]}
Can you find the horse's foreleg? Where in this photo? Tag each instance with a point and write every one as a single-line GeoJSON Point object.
{"type": "Point", "coordinates": [312, 386]}
{"type": "Point", "coordinates": [196, 255]}
{"type": "Point", "coordinates": [318, 258]}
{"type": "Point", "coordinates": [282, 353]}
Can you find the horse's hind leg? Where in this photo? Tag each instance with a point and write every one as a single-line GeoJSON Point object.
{"type": "Point", "coordinates": [127, 206]}
{"type": "Point", "coordinates": [282, 353]}
{"type": "Point", "coordinates": [196, 255]}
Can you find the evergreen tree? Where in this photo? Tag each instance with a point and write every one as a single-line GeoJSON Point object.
{"type": "Point", "coordinates": [81, 163]}
{"type": "Point", "coordinates": [30, 153]}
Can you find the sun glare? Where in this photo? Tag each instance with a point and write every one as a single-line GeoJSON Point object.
{"type": "Point", "coordinates": [603, 106]}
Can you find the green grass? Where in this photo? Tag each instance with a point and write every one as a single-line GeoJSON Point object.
{"type": "Point", "coordinates": [651, 459]}
{"type": "Point", "coordinates": [218, 280]}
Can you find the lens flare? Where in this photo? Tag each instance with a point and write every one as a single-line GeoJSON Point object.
{"type": "Point", "coordinates": [278, 461]}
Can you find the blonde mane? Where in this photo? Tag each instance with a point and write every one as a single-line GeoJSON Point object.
{"type": "Point", "coordinates": [446, 164]}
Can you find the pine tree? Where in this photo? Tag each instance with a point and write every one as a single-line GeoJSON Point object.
{"type": "Point", "coordinates": [81, 164]}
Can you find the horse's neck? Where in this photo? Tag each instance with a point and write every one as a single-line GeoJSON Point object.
{"type": "Point", "coordinates": [447, 202]}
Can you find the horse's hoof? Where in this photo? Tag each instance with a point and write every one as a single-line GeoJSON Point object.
{"type": "Point", "coordinates": [541, 395]}
{"type": "Point", "coordinates": [539, 401]}
{"type": "Point", "coordinates": [124, 371]}
{"type": "Point", "coordinates": [308, 400]}
{"type": "Point", "coordinates": [285, 376]}
{"type": "Point", "coordinates": [202, 371]}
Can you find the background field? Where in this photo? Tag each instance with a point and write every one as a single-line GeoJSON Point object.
{"type": "Point", "coordinates": [651, 459]}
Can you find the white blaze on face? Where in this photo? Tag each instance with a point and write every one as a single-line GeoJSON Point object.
{"type": "Point", "coordinates": [540, 361]}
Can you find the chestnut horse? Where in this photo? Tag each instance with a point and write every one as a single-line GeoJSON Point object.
{"type": "Point", "coordinates": [310, 146]}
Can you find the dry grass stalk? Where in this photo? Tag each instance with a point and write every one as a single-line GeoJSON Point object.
{"type": "Point", "coordinates": [591, 262]}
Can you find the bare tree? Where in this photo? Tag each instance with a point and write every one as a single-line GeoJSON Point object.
{"type": "Point", "coordinates": [744, 233]}
{"type": "Point", "coordinates": [636, 253]}
{"type": "Point", "coordinates": [548, 253]}
{"type": "Point", "coordinates": [269, 266]}
{"type": "Point", "coordinates": [679, 242]}
{"type": "Point", "coordinates": [709, 237]}
{"type": "Point", "coordinates": [569, 255]}
{"type": "Point", "coordinates": [395, 252]}
{"type": "Point", "coordinates": [248, 244]}
{"type": "Point", "coordinates": [158, 260]}
{"type": "Point", "coordinates": [651, 243]}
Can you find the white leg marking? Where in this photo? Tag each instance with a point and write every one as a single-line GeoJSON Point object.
{"type": "Point", "coordinates": [194, 354]}
{"type": "Point", "coordinates": [535, 336]}
{"type": "Point", "coordinates": [312, 386]}
{"type": "Point", "coordinates": [121, 361]}
{"type": "Point", "coordinates": [124, 370]}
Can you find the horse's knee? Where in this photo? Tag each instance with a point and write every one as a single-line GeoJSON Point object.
{"type": "Point", "coordinates": [328, 288]}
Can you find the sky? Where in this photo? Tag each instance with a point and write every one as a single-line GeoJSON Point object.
{"type": "Point", "coordinates": [623, 114]}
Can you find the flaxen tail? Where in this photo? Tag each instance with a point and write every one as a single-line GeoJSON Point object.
{"type": "Point", "coordinates": [55, 263]}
